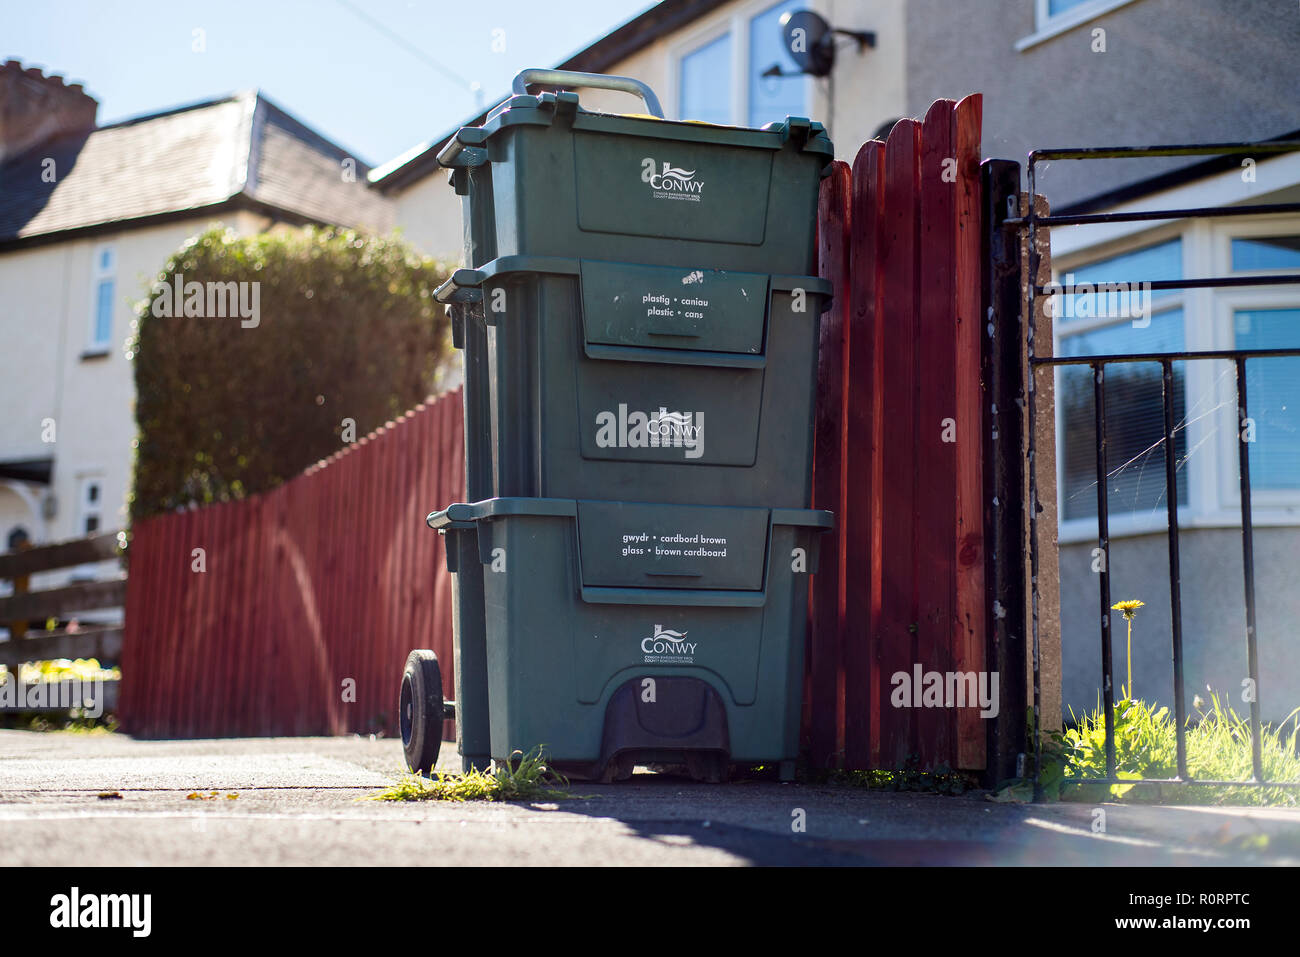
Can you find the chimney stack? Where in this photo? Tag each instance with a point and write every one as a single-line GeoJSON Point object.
{"type": "Point", "coordinates": [35, 108]}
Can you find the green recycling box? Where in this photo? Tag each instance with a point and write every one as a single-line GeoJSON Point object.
{"type": "Point", "coordinates": [621, 633]}
{"type": "Point", "coordinates": [544, 177]}
{"type": "Point", "coordinates": [639, 317]}
{"type": "Point", "coordinates": [598, 379]}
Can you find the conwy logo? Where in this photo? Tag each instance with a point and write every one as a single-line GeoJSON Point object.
{"type": "Point", "coordinates": [668, 645]}
{"type": "Point", "coordinates": [657, 430]}
{"type": "Point", "coordinates": [671, 182]}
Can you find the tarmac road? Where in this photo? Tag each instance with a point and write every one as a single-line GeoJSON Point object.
{"type": "Point", "coordinates": [302, 801]}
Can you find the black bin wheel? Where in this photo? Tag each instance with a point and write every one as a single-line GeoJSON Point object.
{"type": "Point", "coordinates": [419, 711]}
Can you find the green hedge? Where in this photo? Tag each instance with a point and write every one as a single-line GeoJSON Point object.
{"type": "Point", "coordinates": [345, 327]}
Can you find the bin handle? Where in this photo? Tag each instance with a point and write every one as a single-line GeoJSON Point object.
{"type": "Point", "coordinates": [600, 81]}
{"type": "Point", "coordinates": [453, 516]}
{"type": "Point", "coordinates": [462, 286]}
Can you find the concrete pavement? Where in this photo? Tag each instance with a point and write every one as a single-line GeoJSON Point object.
{"type": "Point", "coordinates": [302, 801]}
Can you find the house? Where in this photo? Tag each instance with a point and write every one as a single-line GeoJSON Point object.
{"type": "Point", "coordinates": [1058, 73]}
{"type": "Point", "coordinates": [88, 216]}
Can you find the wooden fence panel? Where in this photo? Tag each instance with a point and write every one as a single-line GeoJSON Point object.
{"type": "Point", "coordinates": [970, 645]}
{"type": "Point", "coordinates": [861, 519]}
{"type": "Point", "coordinates": [332, 576]}
{"type": "Point", "coordinates": [936, 505]}
{"type": "Point", "coordinates": [896, 631]}
{"type": "Point", "coordinates": [901, 594]}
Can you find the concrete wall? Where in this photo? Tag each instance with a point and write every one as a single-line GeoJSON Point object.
{"type": "Point", "coordinates": [1188, 71]}
{"type": "Point", "coordinates": [45, 320]}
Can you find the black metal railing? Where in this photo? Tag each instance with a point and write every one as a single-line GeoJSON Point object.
{"type": "Point", "coordinates": [1029, 224]}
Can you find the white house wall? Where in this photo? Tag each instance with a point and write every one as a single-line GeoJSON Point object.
{"type": "Point", "coordinates": [45, 322]}
{"type": "Point", "coordinates": [428, 216]}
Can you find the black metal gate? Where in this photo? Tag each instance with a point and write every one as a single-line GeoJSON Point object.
{"type": "Point", "coordinates": [1011, 451]}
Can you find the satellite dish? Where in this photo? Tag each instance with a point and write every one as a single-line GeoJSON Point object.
{"type": "Point", "coordinates": [809, 41]}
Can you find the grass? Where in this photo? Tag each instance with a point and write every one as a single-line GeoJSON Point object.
{"type": "Point", "coordinates": [74, 722]}
{"type": "Point", "coordinates": [525, 777]}
{"type": "Point", "coordinates": [941, 780]}
{"type": "Point", "coordinates": [1218, 749]}
{"type": "Point", "coordinates": [59, 669]}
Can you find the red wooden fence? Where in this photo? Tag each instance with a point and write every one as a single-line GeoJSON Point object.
{"type": "Point", "coordinates": [310, 598]}
{"type": "Point", "coordinates": [898, 447]}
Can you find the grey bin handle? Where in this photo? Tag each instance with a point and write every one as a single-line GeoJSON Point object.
{"type": "Point", "coordinates": [598, 81]}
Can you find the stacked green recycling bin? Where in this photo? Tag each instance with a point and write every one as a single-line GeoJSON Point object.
{"type": "Point", "coordinates": [639, 322]}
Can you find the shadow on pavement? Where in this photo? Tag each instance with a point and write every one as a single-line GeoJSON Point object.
{"type": "Point", "coordinates": [845, 826]}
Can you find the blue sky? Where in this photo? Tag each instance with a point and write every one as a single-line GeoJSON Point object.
{"type": "Point", "coordinates": [327, 64]}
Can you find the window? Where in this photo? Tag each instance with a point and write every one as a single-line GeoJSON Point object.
{"type": "Point", "coordinates": [90, 511]}
{"type": "Point", "coordinates": [1134, 418]}
{"type": "Point", "coordinates": [1054, 17]}
{"type": "Point", "coordinates": [720, 71]}
{"type": "Point", "coordinates": [773, 98]}
{"type": "Point", "coordinates": [1265, 253]}
{"type": "Point", "coordinates": [1205, 413]}
{"type": "Point", "coordinates": [1272, 395]}
{"type": "Point", "coordinates": [706, 83]}
{"type": "Point", "coordinates": [1104, 324]}
{"type": "Point", "coordinates": [102, 298]}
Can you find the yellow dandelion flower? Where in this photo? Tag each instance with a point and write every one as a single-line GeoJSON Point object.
{"type": "Point", "coordinates": [1128, 608]}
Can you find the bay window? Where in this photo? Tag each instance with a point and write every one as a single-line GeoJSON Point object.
{"type": "Point", "coordinates": [1204, 391]}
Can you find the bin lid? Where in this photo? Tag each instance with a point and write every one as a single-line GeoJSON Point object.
{"type": "Point", "coordinates": [794, 132]}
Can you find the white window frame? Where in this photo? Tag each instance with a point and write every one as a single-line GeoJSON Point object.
{"type": "Point", "coordinates": [1047, 26]}
{"type": "Point", "coordinates": [1262, 500]}
{"type": "Point", "coordinates": [1225, 232]}
{"type": "Point", "coordinates": [1214, 499]}
{"type": "Point", "coordinates": [734, 22]}
{"type": "Point", "coordinates": [97, 275]}
{"type": "Point", "coordinates": [1277, 506]}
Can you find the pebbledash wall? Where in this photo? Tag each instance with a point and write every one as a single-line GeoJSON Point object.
{"type": "Point", "coordinates": [1172, 71]}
